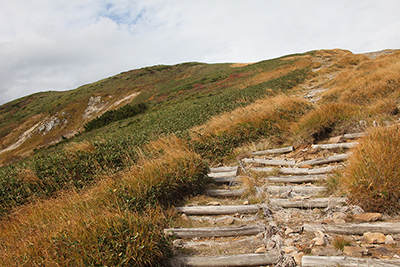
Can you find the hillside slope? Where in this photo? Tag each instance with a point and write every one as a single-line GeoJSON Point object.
{"type": "Point", "coordinates": [44, 118]}
{"type": "Point", "coordinates": [107, 193]}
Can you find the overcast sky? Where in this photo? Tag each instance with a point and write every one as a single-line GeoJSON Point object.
{"type": "Point", "coordinates": [62, 44]}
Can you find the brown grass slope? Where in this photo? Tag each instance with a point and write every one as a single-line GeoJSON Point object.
{"type": "Point", "coordinates": [118, 220]}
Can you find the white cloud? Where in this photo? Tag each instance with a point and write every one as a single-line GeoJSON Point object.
{"type": "Point", "coordinates": [58, 45]}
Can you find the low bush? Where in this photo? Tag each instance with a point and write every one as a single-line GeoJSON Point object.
{"type": "Point", "coordinates": [108, 117]}
{"type": "Point", "coordinates": [373, 173]}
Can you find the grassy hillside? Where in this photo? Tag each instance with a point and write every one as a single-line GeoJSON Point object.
{"type": "Point", "coordinates": [87, 194]}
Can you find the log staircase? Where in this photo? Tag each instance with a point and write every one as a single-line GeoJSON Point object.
{"type": "Point", "coordinates": [274, 209]}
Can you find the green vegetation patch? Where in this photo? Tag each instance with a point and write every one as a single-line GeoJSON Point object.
{"type": "Point", "coordinates": [108, 117]}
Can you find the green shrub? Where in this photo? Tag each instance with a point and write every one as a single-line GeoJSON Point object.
{"type": "Point", "coordinates": [108, 117]}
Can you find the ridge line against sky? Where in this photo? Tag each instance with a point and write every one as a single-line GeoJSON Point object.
{"type": "Point", "coordinates": [60, 45]}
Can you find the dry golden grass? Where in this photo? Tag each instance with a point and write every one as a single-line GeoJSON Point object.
{"type": "Point", "coordinates": [118, 222]}
{"type": "Point", "coordinates": [245, 150]}
{"type": "Point", "coordinates": [322, 122]}
{"type": "Point", "coordinates": [372, 177]}
{"type": "Point", "coordinates": [339, 242]}
{"type": "Point", "coordinates": [255, 114]}
{"type": "Point", "coordinates": [83, 146]}
{"type": "Point", "coordinates": [239, 65]}
{"type": "Point", "coordinates": [371, 81]}
{"type": "Point", "coordinates": [77, 230]}
{"type": "Point", "coordinates": [267, 118]}
{"type": "Point", "coordinates": [299, 62]}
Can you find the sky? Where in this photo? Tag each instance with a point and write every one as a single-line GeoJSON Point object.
{"type": "Point", "coordinates": [63, 44]}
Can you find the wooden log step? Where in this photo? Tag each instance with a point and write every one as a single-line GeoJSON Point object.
{"type": "Point", "coordinates": [355, 228]}
{"type": "Point", "coordinates": [333, 261]}
{"type": "Point", "coordinates": [232, 179]}
{"type": "Point", "coordinates": [296, 171]}
{"type": "Point", "coordinates": [333, 146]}
{"type": "Point", "coordinates": [306, 203]}
{"type": "Point", "coordinates": [219, 210]}
{"type": "Point", "coordinates": [225, 192]}
{"type": "Point", "coordinates": [354, 135]}
{"type": "Point", "coordinates": [222, 174]}
{"type": "Point", "coordinates": [320, 161]}
{"type": "Point", "coordinates": [224, 169]}
{"type": "Point", "coordinates": [295, 179]}
{"type": "Point", "coordinates": [260, 259]}
{"type": "Point", "coordinates": [302, 190]}
{"type": "Point", "coordinates": [271, 162]}
{"type": "Point", "coordinates": [215, 231]}
{"type": "Point", "coordinates": [274, 151]}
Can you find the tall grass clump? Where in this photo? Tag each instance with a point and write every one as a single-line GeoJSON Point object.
{"type": "Point", "coordinates": [76, 230]}
{"type": "Point", "coordinates": [373, 173]}
{"type": "Point", "coordinates": [323, 121]}
{"type": "Point", "coordinates": [167, 171]}
{"type": "Point", "coordinates": [118, 222]}
{"type": "Point", "coordinates": [269, 117]}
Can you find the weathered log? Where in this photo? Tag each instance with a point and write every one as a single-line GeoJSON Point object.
{"type": "Point", "coordinates": [260, 259]}
{"type": "Point", "coordinates": [219, 210]}
{"type": "Point", "coordinates": [354, 135]}
{"type": "Point", "coordinates": [264, 169]}
{"type": "Point", "coordinates": [271, 162]}
{"type": "Point", "coordinates": [222, 174]}
{"type": "Point", "coordinates": [225, 192]}
{"type": "Point", "coordinates": [215, 231]}
{"type": "Point", "coordinates": [306, 203]}
{"type": "Point", "coordinates": [295, 179]}
{"type": "Point", "coordinates": [296, 171]}
{"type": "Point", "coordinates": [224, 169]}
{"type": "Point", "coordinates": [335, 158]}
{"type": "Point", "coordinates": [355, 228]}
{"type": "Point", "coordinates": [322, 170]}
{"type": "Point", "coordinates": [333, 146]}
{"type": "Point", "coordinates": [303, 190]}
{"type": "Point", "coordinates": [274, 151]}
{"type": "Point", "coordinates": [231, 179]}
{"type": "Point", "coordinates": [333, 261]}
